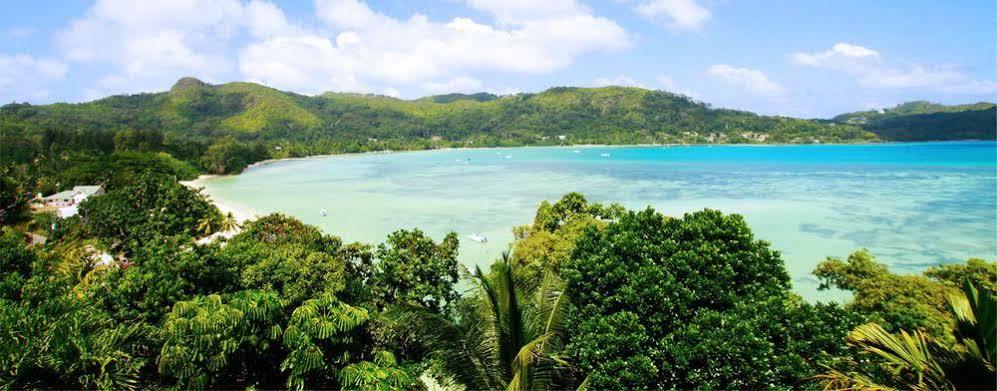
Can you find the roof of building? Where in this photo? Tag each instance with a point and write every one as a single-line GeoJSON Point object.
{"type": "Point", "coordinates": [62, 195]}
{"type": "Point", "coordinates": [69, 194]}
{"type": "Point", "coordinates": [88, 190]}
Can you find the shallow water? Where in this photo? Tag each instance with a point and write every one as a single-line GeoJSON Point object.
{"type": "Point", "coordinates": [913, 205]}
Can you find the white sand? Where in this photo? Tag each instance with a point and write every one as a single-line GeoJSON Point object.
{"type": "Point", "coordinates": [240, 214]}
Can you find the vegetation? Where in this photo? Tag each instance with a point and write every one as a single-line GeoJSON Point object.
{"type": "Point", "coordinates": [593, 296]}
{"type": "Point", "coordinates": [917, 361]}
{"type": "Point", "coordinates": [926, 121]}
{"type": "Point", "coordinates": [197, 127]}
{"type": "Point", "coordinates": [904, 302]}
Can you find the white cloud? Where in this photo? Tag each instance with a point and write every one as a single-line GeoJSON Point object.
{"type": "Point", "coordinates": [668, 84]}
{"type": "Point", "coordinates": [620, 80]}
{"type": "Point", "coordinates": [678, 14]}
{"type": "Point", "coordinates": [465, 84]}
{"type": "Point", "coordinates": [368, 49]}
{"type": "Point", "coordinates": [839, 54]}
{"type": "Point", "coordinates": [516, 11]}
{"type": "Point", "coordinates": [752, 80]}
{"type": "Point", "coordinates": [871, 70]}
{"type": "Point", "coordinates": [24, 76]}
{"type": "Point", "coordinates": [147, 45]}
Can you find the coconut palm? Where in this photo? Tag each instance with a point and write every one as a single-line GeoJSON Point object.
{"type": "Point", "coordinates": [917, 361]}
{"type": "Point", "coordinates": [228, 223]}
{"type": "Point", "coordinates": [206, 225]}
{"type": "Point", "coordinates": [502, 338]}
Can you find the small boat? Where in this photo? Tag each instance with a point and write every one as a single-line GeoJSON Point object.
{"type": "Point", "coordinates": [508, 156]}
{"type": "Point", "coordinates": [478, 238]}
{"type": "Point", "coordinates": [577, 151]}
{"type": "Point", "coordinates": [604, 155]}
{"type": "Point", "coordinates": [323, 212]}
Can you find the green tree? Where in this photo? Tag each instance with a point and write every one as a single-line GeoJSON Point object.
{"type": "Point", "coordinates": [154, 205]}
{"type": "Point", "coordinates": [220, 341]}
{"type": "Point", "coordinates": [16, 261]}
{"type": "Point", "coordinates": [381, 374]}
{"type": "Point", "coordinates": [977, 271]}
{"type": "Point", "coordinates": [227, 156]}
{"type": "Point", "coordinates": [547, 244]}
{"type": "Point", "coordinates": [902, 301]}
{"type": "Point", "coordinates": [411, 267]}
{"type": "Point", "coordinates": [13, 200]}
{"type": "Point", "coordinates": [164, 271]}
{"type": "Point", "coordinates": [917, 361]}
{"type": "Point", "coordinates": [658, 299]}
{"type": "Point", "coordinates": [54, 340]}
{"type": "Point", "coordinates": [502, 338]}
{"type": "Point", "coordinates": [323, 336]}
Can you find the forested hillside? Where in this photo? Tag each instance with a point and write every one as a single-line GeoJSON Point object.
{"type": "Point", "coordinates": [197, 127]}
{"type": "Point", "coordinates": [193, 115]}
{"type": "Point", "coordinates": [926, 121]}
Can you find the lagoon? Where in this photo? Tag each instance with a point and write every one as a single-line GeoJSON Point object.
{"type": "Point", "coordinates": [912, 205]}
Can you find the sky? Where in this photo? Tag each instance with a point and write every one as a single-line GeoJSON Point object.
{"type": "Point", "coordinates": [812, 59]}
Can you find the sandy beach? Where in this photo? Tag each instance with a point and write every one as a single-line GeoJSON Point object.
{"type": "Point", "coordinates": [240, 214]}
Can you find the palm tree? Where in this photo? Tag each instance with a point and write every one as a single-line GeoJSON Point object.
{"type": "Point", "coordinates": [228, 223]}
{"type": "Point", "coordinates": [502, 338]}
{"type": "Point", "coordinates": [916, 361]}
{"type": "Point", "coordinates": [206, 225]}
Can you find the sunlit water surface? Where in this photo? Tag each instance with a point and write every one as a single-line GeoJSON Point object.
{"type": "Point", "coordinates": [912, 205]}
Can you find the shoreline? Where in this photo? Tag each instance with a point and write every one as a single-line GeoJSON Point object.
{"type": "Point", "coordinates": [262, 163]}
{"type": "Point", "coordinates": [244, 214]}
{"type": "Point", "coordinates": [241, 214]}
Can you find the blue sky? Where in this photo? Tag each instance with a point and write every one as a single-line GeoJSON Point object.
{"type": "Point", "coordinates": [799, 58]}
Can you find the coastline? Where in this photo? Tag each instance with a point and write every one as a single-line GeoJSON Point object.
{"type": "Point", "coordinates": [262, 163]}
{"type": "Point", "coordinates": [241, 214]}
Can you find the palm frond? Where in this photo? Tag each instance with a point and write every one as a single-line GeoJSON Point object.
{"type": "Point", "coordinates": [903, 353]}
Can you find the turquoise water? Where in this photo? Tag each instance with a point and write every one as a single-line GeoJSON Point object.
{"type": "Point", "coordinates": [913, 205]}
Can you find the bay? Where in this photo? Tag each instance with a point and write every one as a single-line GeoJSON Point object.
{"type": "Point", "coordinates": [912, 205]}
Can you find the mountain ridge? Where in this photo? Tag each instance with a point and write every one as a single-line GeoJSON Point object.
{"type": "Point", "coordinates": [193, 116]}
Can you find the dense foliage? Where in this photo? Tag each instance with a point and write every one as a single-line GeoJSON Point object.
{"type": "Point", "coordinates": [592, 296]}
{"type": "Point", "coordinates": [221, 128]}
{"type": "Point", "coordinates": [904, 301]}
{"type": "Point", "coordinates": [153, 205]}
{"type": "Point", "coordinates": [925, 121]}
{"type": "Point", "coordinates": [659, 299]}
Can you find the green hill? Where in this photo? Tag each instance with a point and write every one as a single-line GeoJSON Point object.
{"type": "Point", "coordinates": [222, 127]}
{"type": "Point", "coordinates": [925, 121]}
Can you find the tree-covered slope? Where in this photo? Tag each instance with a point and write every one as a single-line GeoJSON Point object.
{"type": "Point", "coordinates": [925, 121]}
{"type": "Point", "coordinates": [254, 112]}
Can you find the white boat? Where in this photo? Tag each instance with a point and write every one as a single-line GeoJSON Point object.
{"type": "Point", "coordinates": [323, 212]}
{"type": "Point", "coordinates": [478, 238]}
{"type": "Point", "coordinates": [508, 156]}
{"type": "Point", "coordinates": [577, 151]}
{"type": "Point", "coordinates": [604, 155]}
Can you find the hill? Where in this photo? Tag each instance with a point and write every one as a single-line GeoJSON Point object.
{"type": "Point", "coordinates": [221, 128]}
{"type": "Point", "coordinates": [925, 121]}
{"type": "Point", "coordinates": [584, 115]}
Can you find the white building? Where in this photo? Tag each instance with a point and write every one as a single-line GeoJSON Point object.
{"type": "Point", "coordinates": [67, 201]}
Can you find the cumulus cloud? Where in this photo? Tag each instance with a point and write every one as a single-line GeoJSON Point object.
{"type": "Point", "coordinates": [871, 70]}
{"type": "Point", "coordinates": [678, 14]}
{"type": "Point", "coordinates": [463, 84]}
{"type": "Point", "coordinates": [751, 80]}
{"type": "Point", "coordinates": [370, 49]}
{"type": "Point", "coordinates": [147, 45]}
{"type": "Point", "coordinates": [24, 76]}
{"type": "Point", "coordinates": [619, 80]}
